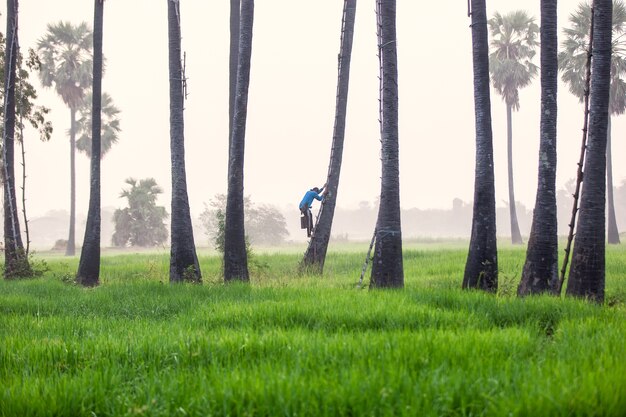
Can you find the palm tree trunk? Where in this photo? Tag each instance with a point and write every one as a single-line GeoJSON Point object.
{"type": "Point", "coordinates": [387, 266]}
{"type": "Point", "coordinates": [70, 250]}
{"type": "Point", "coordinates": [15, 260]}
{"type": "Point", "coordinates": [235, 254]}
{"type": "Point", "coordinates": [540, 273]}
{"type": "Point", "coordinates": [183, 258]}
{"type": "Point", "coordinates": [516, 236]}
{"type": "Point", "coordinates": [235, 12]}
{"type": "Point", "coordinates": [587, 273]}
{"type": "Point", "coordinates": [612, 230]}
{"type": "Point", "coordinates": [315, 254]}
{"type": "Point", "coordinates": [89, 266]}
{"type": "Point", "coordinates": [481, 268]}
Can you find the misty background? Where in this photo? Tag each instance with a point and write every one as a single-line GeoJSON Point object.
{"type": "Point", "coordinates": [291, 114]}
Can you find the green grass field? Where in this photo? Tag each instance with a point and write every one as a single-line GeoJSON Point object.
{"type": "Point", "coordinates": [290, 345]}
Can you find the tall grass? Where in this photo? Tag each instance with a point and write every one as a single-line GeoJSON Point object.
{"type": "Point", "coordinates": [309, 346]}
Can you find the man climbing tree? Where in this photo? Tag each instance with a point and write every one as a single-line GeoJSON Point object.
{"type": "Point", "coordinates": [315, 254]}
{"type": "Point", "coordinates": [314, 193]}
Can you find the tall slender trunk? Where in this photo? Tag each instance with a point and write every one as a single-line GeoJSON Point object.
{"type": "Point", "coordinates": [183, 258]}
{"type": "Point", "coordinates": [516, 236]}
{"type": "Point", "coordinates": [235, 16]}
{"type": "Point", "coordinates": [612, 230]}
{"type": "Point", "coordinates": [587, 273]}
{"type": "Point", "coordinates": [481, 268]}
{"type": "Point", "coordinates": [70, 250]}
{"type": "Point", "coordinates": [89, 266]}
{"type": "Point", "coordinates": [387, 266]}
{"type": "Point", "coordinates": [540, 273]}
{"type": "Point", "coordinates": [315, 254]}
{"type": "Point", "coordinates": [235, 254]}
{"type": "Point", "coordinates": [15, 260]}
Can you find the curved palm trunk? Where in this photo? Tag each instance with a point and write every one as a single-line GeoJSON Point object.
{"type": "Point", "coordinates": [540, 273]}
{"type": "Point", "coordinates": [481, 268]}
{"type": "Point", "coordinates": [387, 266]}
{"type": "Point", "coordinates": [235, 255]}
{"type": "Point", "coordinates": [315, 254]}
{"type": "Point", "coordinates": [516, 236]}
{"type": "Point", "coordinates": [183, 259]}
{"type": "Point", "coordinates": [15, 259]}
{"type": "Point", "coordinates": [612, 230]}
{"type": "Point", "coordinates": [587, 273]}
{"type": "Point", "coordinates": [89, 266]}
{"type": "Point", "coordinates": [235, 6]}
{"type": "Point", "coordinates": [70, 250]}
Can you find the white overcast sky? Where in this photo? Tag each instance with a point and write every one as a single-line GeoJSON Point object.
{"type": "Point", "coordinates": [291, 107]}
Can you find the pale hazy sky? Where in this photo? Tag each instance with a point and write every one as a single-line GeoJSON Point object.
{"type": "Point", "coordinates": [291, 107]}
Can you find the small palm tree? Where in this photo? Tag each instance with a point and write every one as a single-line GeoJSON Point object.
{"type": "Point", "coordinates": [142, 222]}
{"type": "Point", "coordinates": [572, 60]}
{"type": "Point", "coordinates": [514, 39]}
{"type": "Point", "coordinates": [110, 125]}
{"type": "Point", "coordinates": [66, 63]}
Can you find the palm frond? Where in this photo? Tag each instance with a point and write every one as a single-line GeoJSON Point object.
{"type": "Point", "coordinates": [574, 49]}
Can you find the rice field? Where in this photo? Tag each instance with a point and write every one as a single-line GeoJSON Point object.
{"type": "Point", "coordinates": [289, 345]}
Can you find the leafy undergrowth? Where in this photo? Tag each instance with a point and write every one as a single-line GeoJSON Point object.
{"type": "Point", "coordinates": [309, 346]}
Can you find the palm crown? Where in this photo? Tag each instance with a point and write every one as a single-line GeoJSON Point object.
{"type": "Point", "coordinates": [573, 57]}
{"type": "Point", "coordinates": [110, 125]}
{"type": "Point", "coordinates": [66, 60]}
{"type": "Point", "coordinates": [514, 39]}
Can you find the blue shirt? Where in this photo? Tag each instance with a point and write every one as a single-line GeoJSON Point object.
{"type": "Point", "coordinates": [307, 200]}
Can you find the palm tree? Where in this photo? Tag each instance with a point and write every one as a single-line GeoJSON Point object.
{"type": "Point", "coordinates": [387, 266]}
{"type": "Point", "coordinates": [316, 251]}
{"type": "Point", "coordinates": [572, 63]}
{"type": "Point", "coordinates": [15, 259]}
{"type": "Point", "coordinates": [587, 273]}
{"type": "Point", "coordinates": [142, 222]}
{"type": "Point", "coordinates": [110, 125]}
{"type": "Point", "coordinates": [66, 64]}
{"type": "Point", "coordinates": [183, 258]}
{"type": "Point", "coordinates": [540, 271]}
{"type": "Point", "coordinates": [89, 266]}
{"type": "Point", "coordinates": [235, 255]}
{"type": "Point", "coordinates": [481, 268]}
{"type": "Point", "coordinates": [514, 39]}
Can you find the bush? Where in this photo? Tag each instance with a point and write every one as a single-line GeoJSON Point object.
{"type": "Point", "coordinates": [264, 224]}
